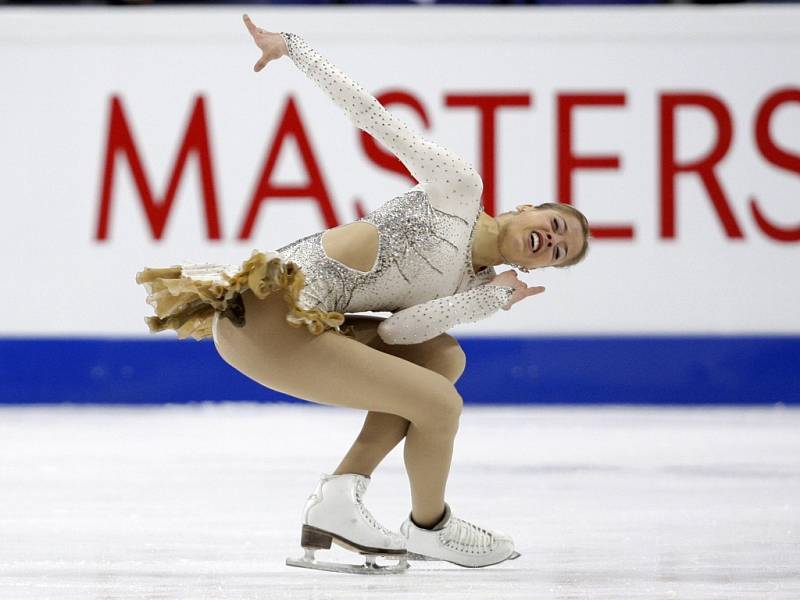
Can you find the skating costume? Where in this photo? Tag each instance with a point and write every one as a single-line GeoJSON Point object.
{"type": "Point", "coordinates": [423, 271]}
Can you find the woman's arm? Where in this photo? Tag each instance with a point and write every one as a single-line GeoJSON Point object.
{"type": "Point", "coordinates": [424, 321]}
{"type": "Point", "coordinates": [426, 161]}
{"type": "Point", "coordinates": [449, 175]}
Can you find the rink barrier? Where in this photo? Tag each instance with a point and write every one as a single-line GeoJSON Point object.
{"type": "Point", "coordinates": [642, 370]}
{"type": "Point", "coordinates": [674, 128]}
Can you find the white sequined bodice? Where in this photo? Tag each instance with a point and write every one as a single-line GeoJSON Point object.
{"type": "Point", "coordinates": [423, 270]}
{"type": "Point", "coordinates": [423, 253]}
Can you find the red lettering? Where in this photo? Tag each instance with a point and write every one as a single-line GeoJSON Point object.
{"type": "Point", "coordinates": [157, 211]}
{"type": "Point", "coordinates": [374, 151]}
{"type": "Point", "coordinates": [778, 157]}
{"type": "Point", "coordinates": [704, 166]}
{"type": "Point", "coordinates": [568, 162]}
{"type": "Point", "coordinates": [358, 207]}
{"type": "Point", "coordinates": [290, 125]}
{"type": "Point", "coordinates": [488, 105]}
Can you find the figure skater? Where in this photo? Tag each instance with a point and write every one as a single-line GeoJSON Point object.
{"type": "Point", "coordinates": [427, 256]}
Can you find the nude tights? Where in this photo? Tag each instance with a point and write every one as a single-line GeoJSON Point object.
{"type": "Point", "coordinates": [407, 390]}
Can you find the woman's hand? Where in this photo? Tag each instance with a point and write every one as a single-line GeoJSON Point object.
{"type": "Point", "coordinates": [271, 44]}
{"type": "Point", "coordinates": [521, 289]}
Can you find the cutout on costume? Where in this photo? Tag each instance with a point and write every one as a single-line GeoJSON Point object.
{"type": "Point", "coordinates": [355, 245]}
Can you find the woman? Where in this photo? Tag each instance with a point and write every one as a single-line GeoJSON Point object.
{"type": "Point", "coordinates": [427, 256]}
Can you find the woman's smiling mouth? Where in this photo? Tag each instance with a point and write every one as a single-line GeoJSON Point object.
{"type": "Point", "coordinates": [535, 240]}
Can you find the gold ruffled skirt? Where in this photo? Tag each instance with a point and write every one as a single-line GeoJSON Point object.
{"type": "Point", "coordinates": [186, 297]}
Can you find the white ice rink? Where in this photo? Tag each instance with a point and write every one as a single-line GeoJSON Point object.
{"type": "Point", "coordinates": [205, 501]}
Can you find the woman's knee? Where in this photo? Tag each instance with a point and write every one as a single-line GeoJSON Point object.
{"type": "Point", "coordinates": [451, 357]}
{"type": "Point", "coordinates": [441, 408]}
{"type": "Point", "coordinates": [442, 354]}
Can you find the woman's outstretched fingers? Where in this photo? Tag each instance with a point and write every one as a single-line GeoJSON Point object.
{"type": "Point", "coordinates": [271, 43]}
{"type": "Point", "coordinates": [521, 292]}
{"type": "Point", "coordinates": [251, 27]}
{"type": "Point", "coordinates": [532, 291]}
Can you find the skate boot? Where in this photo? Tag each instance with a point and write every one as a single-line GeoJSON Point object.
{"type": "Point", "coordinates": [457, 541]}
{"type": "Point", "coordinates": [335, 513]}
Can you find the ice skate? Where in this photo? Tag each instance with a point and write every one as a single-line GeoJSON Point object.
{"type": "Point", "coordinates": [457, 541]}
{"type": "Point", "coordinates": [335, 513]}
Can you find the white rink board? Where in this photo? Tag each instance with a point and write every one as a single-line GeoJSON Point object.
{"type": "Point", "coordinates": [61, 68]}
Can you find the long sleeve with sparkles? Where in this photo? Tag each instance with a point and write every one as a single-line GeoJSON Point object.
{"type": "Point", "coordinates": [452, 183]}
{"type": "Point", "coordinates": [425, 321]}
{"type": "Point", "coordinates": [423, 271]}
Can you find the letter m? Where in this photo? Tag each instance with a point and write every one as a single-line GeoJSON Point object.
{"type": "Point", "coordinates": [195, 140]}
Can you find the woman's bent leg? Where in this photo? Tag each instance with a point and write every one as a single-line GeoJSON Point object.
{"type": "Point", "coordinates": [379, 435]}
{"type": "Point", "coordinates": [334, 369]}
{"type": "Point", "coordinates": [381, 432]}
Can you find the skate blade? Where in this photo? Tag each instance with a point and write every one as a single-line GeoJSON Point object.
{"type": "Point", "coordinates": [370, 567]}
{"type": "Point", "coordinates": [414, 556]}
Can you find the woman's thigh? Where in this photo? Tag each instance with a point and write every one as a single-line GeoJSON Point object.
{"type": "Point", "coordinates": [331, 368]}
{"type": "Point", "coordinates": [442, 354]}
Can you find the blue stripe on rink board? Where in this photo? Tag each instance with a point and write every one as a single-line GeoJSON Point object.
{"type": "Point", "coordinates": [744, 370]}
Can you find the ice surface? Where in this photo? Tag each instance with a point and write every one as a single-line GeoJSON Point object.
{"type": "Point", "coordinates": [205, 502]}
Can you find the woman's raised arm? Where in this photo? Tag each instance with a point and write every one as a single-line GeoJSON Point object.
{"type": "Point", "coordinates": [454, 177]}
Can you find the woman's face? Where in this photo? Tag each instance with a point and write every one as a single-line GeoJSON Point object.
{"type": "Point", "coordinates": [536, 238]}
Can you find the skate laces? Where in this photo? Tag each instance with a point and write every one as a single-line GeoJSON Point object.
{"type": "Point", "coordinates": [468, 535]}
{"type": "Point", "coordinates": [361, 487]}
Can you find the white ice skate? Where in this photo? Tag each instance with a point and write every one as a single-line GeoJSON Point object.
{"type": "Point", "coordinates": [457, 541]}
{"type": "Point", "coordinates": [335, 513]}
